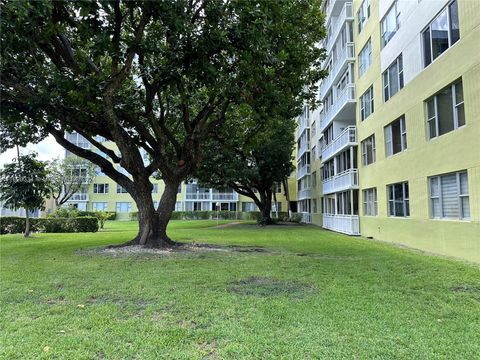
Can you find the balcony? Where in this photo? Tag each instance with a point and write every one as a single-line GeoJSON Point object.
{"type": "Point", "coordinates": [333, 9]}
{"type": "Point", "coordinates": [211, 196]}
{"type": "Point", "coordinates": [347, 224]}
{"type": "Point", "coordinates": [303, 171]}
{"type": "Point", "coordinates": [347, 137]}
{"type": "Point", "coordinates": [303, 148]}
{"type": "Point", "coordinates": [344, 56]}
{"type": "Point", "coordinates": [302, 126]}
{"type": "Point", "coordinates": [345, 180]}
{"type": "Point", "coordinates": [345, 15]}
{"type": "Point", "coordinates": [303, 194]}
{"type": "Point", "coordinates": [230, 196]}
{"type": "Point", "coordinates": [342, 109]}
{"type": "Point", "coordinates": [306, 218]}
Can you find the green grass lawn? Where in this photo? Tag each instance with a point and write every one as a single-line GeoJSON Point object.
{"type": "Point", "coordinates": [311, 294]}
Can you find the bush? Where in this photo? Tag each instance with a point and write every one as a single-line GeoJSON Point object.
{"type": "Point", "coordinates": [296, 218]}
{"type": "Point", "coordinates": [16, 225]}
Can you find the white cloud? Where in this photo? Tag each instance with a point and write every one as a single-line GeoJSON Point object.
{"type": "Point", "coordinates": [47, 149]}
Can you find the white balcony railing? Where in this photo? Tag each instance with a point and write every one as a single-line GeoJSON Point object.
{"type": "Point", "coordinates": [303, 148]}
{"type": "Point", "coordinates": [231, 196]}
{"type": "Point", "coordinates": [347, 137]}
{"type": "Point", "coordinates": [302, 171]}
{"type": "Point", "coordinates": [345, 180]}
{"type": "Point", "coordinates": [345, 15]}
{"type": "Point", "coordinates": [212, 196]}
{"type": "Point", "coordinates": [198, 196]}
{"type": "Point", "coordinates": [302, 126]}
{"type": "Point", "coordinates": [345, 97]}
{"type": "Point", "coordinates": [347, 224]}
{"type": "Point", "coordinates": [304, 194]}
{"type": "Point", "coordinates": [306, 218]}
{"type": "Point", "coordinates": [342, 57]}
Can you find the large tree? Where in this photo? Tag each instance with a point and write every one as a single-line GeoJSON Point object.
{"type": "Point", "coordinates": [251, 161]}
{"type": "Point", "coordinates": [158, 77]}
{"type": "Point", "coordinates": [68, 176]}
{"type": "Point", "coordinates": [24, 184]}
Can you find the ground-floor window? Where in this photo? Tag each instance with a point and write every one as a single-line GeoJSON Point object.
{"type": "Point", "coordinates": [398, 199]}
{"type": "Point", "coordinates": [370, 202]}
{"type": "Point", "coordinates": [124, 207]}
{"type": "Point", "coordinates": [99, 206]}
{"type": "Point", "coordinates": [449, 196]}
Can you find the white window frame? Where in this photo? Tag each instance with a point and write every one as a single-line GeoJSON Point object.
{"type": "Point", "coordinates": [405, 200]}
{"type": "Point", "coordinates": [461, 196]}
{"type": "Point", "coordinates": [366, 104]}
{"type": "Point", "coordinates": [105, 188]}
{"type": "Point", "coordinates": [455, 107]}
{"type": "Point", "coordinates": [365, 151]}
{"type": "Point", "coordinates": [389, 137]}
{"type": "Point", "coordinates": [364, 65]}
{"type": "Point", "coordinates": [361, 18]}
{"type": "Point", "coordinates": [394, 7]}
{"type": "Point", "coordinates": [429, 29]}
{"type": "Point", "coordinates": [398, 65]}
{"type": "Point", "coordinates": [120, 203]}
{"type": "Point", "coordinates": [95, 206]}
{"type": "Point", "coordinates": [370, 205]}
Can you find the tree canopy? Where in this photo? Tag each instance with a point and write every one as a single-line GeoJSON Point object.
{"type": "Point", "coordinates": [155, 77]}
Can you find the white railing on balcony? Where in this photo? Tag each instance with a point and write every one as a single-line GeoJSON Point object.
{"type": "Point", "coordinates": [348, 137]}
{"type": "Point", "coordinates": [302, 171]}
{"type": "Point", "coordinates": [306, 218]}
{"type": "Point", "coordinates": [343, 55]}
{"type": "Point", "coordinates": [346, 96]}
{"type": "Point", "coordinates": [198, 196]}
{"type": "Point", "coordinates": [347, 224]}
{"type": "Point", "coordinates": [231, 196]}
{"type": "Point", "coordinates": [303, 194]}
{"type": "Point", "coordinates": [345, 14]}
{"type": "Point", "coordinates": [303, 148]}
{"type": "Point", "coordinates": [302, 126]}
{"type": "Point", "coordinates": [345, 180]}
{"type": "Point", "coordinates": [79, 197]}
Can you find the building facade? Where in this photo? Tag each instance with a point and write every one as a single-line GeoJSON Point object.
{"type": "Point", "coordinates": [395, 145]}
{"type": "Point", "coordinates": [103, 194]}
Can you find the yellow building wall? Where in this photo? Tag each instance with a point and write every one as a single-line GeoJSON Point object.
{"type": "Point", "coordinates": [454, 151]}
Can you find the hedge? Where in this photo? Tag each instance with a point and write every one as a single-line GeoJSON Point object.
{"type": "Point", "coordinates": [16, 225]}
{"type": "Point", "coordinates": [212, 215]}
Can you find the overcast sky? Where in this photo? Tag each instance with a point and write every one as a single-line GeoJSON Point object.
{"type": "Point", "coordinates": [47, 149]}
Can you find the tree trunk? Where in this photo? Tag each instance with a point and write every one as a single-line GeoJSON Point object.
{"type": "Point", "coordinates": [27, 224]}
{"type": "Point", "coordinates": [153, 222]}
{"type": "Point", "coordinates": [266, 207]}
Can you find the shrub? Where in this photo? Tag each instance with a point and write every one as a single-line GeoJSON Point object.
{"type": "Point", "coordinates": [296, 218]}
{"type": "Point", "coordinates": [16, 225]}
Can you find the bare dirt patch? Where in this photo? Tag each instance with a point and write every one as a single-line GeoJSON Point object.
{"type": "Point", "coordinates": [235, 223]}
{"type": "Point", "coordinates": [267, 287]}
{"type": "Point", "coordinates": [465, 289]}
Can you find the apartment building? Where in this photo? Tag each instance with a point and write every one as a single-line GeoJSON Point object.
{"type": "Point", "coordinates": [396, 140]}
{"type": "Point", "coordinates": [103, 194]}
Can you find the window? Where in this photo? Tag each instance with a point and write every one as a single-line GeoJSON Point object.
{"type": "Point", "coordinates": [364, 58]}
{"type": "Point", "coordinates": [121, 189]}
{"type": "Point", "coordinates": [100, 188]}
{"type": "Point", "coordinates": [314, 152]}
{"type": "Point", "coordinates": [277, 187]}
{"type": "Point", "coordinates": [443, 32]}
{"type": "Point", "coordinates": [315, 206]}
{"type": "Point", "coordinates": [368, 150]}
{"type": "Point", "coordinates": [155, 189]}
{"type": "Point", "coordinates": [124, 207]}
{"type": "Point", "coordinates": [449, 196]}
{"type": "Point", "coordinates": [393, 78]}
{"type": "Point", "coordinates": [366, 103]}
{"type": "Point", "coordinates": [249, 206]}
{"type": "Point", "coordinates": [363, 14]}
{"type": "Point", "coordinates": [390, 24]}
{"type": "Point", "coordinates": [445, 110]}
{"type": "Point", "coordinates": [370, 202]}
{"type": "Point", "coordinates": [398, 199]}
{"type": "Point", "coordinates": [395, 137]}
{"type": "Point", "coordinates": [99, 206]}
